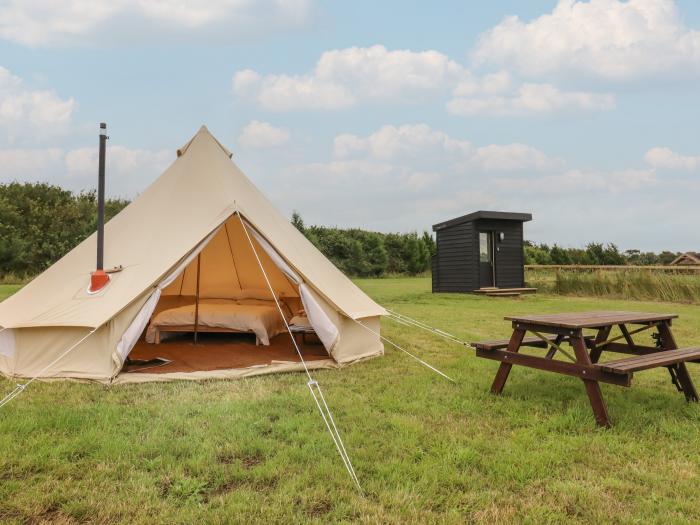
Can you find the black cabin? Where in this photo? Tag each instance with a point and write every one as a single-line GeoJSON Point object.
{"type": "Point", "coordinates": [483, 249]}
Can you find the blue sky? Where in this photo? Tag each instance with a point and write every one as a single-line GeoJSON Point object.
{"type": "Point", "coordinates": [389, 116]}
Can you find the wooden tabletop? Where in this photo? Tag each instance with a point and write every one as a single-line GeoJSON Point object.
{"type": "Point", "coordinates": [577, 320]}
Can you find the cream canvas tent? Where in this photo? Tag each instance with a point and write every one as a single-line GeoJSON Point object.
{"type": "Point", "coordinates": [192, 220]}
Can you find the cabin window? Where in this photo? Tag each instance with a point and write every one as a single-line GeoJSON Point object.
{"type": "Point", "coordinates": [484, 247]}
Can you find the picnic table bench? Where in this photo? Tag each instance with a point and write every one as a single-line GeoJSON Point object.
{"type": "Point", "coordinates": [551, 331]}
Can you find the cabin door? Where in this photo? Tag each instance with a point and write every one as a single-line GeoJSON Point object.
{"type": "Point", "coordinates": [487, 263]}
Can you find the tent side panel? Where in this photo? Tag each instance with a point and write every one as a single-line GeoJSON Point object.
{"type": "Point", "coordinates": [38, 347]}
{"type": "Point", "coordinates": [356, 342]}
{"type": "Point", "coordinates": [117, 326]}
{"type": "Point", "coordinates": [7, 351]}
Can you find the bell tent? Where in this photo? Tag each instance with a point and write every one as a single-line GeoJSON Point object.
{"type": "Point", "coordinates": [201, 250]}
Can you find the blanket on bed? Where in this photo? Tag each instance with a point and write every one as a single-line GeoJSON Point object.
{"type": "Point", "coordinates": [259, 317]}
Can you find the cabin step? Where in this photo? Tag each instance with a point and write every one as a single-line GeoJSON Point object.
{"type": "Point", "coordinates": [490, 290]}
{"type": "Point", "coordinates": [502, 294]}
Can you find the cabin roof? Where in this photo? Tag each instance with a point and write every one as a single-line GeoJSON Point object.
{"type": "Point", "coordinates": [482, 214]}
{"type": "Point", "coordinates": [692, 257]}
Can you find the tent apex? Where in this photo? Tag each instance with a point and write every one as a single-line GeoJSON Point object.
{"type": "Point", "coordinates": [204, 133]}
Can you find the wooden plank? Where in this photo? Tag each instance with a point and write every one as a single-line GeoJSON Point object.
{"type": "Point", "coordinates": [668, 342]}
{"type": "Point", "coordinates": [602, 335]}
{"type": "Point", "coordinates": [592, 372]}
{"type": "Point", "coordinates": [547, 329]}
{"type": "Point", "coordinates": [529, 341]}
{"type": "Point", "coordinates": [622, 348]}
{"type": "Point", "coordinates": [494, 289]}
{"type": "Point", "coordinates": [655, 360]}
{"type": "Point", "coordinates": [504, 369]}
{"type": "Point", "coordinates": [595, 395]}
{"type": "Point", "coordinates": [578, 320]}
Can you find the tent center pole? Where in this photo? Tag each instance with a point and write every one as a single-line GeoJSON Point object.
{"type": "Point", "coordinates": [196, 300]}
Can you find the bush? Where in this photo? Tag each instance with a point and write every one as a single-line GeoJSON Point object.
{"type": "Point", "coordinates": [362, 253]}
{"type": "Point", "coordinates": [593, 254]}
{"type": "Point", "coordinates": [39, 223]}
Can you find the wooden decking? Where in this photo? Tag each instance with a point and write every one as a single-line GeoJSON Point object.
{"type": "Point", "coordinates": [504, 292]}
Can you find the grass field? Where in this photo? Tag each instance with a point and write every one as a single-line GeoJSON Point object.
{"type": "Point", "coordinates": [426, 450]}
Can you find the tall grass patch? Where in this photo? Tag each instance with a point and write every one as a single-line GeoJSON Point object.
{"type": "Point", "coordinates": [635, 283]}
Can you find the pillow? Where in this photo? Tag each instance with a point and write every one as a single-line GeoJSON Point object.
{"type": "Point", "coordinates": [215, 300]}
{"type": "Point", "coordinates": [255, 293]}
{"type": "Point", "coordinates": [255, 302]}
{"type": "Point", "coordinates": [267, 302]}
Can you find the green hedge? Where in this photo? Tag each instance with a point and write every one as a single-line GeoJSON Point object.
{"type": "Point", "coordinates": [362, 253]}
{"type": "Point", "coordinates": [39, 223]}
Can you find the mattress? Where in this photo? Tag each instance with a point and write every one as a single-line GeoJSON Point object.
{"type": "Point", "coordinates": [255, 316]}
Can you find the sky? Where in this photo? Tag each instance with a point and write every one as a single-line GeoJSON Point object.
{"type": "Point", "coordinates": [389, 116]}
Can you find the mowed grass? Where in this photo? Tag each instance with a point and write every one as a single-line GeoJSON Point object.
{"type": "Point", "coordinates": [426, 450]}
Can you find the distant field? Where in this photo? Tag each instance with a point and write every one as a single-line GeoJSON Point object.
{"type": "Point", "coordinates": [426, 450]}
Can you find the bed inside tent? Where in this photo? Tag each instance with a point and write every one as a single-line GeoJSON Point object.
{"type": "Point", "coordinates": [216, 311]}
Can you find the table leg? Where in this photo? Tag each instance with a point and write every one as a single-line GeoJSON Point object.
{"type": "Point", "coordinates": [668, 342]}
{"type": "Point", "coordinates": [602, 336]}
{"type": "Point", "coordinates": [595, 395]}
{"type": "Point", "coordinates": [553, 349]}
{"type": "Point", "coordinates": [504, 369]}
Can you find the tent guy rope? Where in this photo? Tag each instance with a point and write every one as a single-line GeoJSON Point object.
{"type": "Point", "coordinates": [404, 319]}
{"type": "Point", "coordinates": [421, 361]}
{"type": "Point", "coordinates": [313, 385]}
{"type": "Point", "coordinates": [22, 387]}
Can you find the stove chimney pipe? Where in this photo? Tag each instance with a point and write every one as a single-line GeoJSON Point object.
{"type": "Point", "coordinates": [98, 278]}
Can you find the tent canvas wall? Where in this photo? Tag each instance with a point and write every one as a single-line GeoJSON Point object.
{"type": "Point", "coordinates": [198, 206]}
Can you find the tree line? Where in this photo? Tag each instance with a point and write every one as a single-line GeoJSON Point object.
{"type": "Point", "coordinates": [362, 253]}
{"type": "Point", "coordinates": [39, 223]}
{"type": "Point", "coordinates": [593, 254]}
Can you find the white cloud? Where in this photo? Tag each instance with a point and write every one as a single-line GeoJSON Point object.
{"type": "Point", "coordinates": [258, 134]}
{"type": "Point", "coordinates": [491, 84]}
{"type": "Point", "coordinates": [343, 78]}
{"type": "Point", "coordinates": [391, 142]}
{"type": "Point", "coordinates": [513, 157]}
{"type": "Point", "coordinates": [29, 165]}
{"type": "Point", "coordinates": [23, 109]}
{"type": "Point", "coordinates": [47, 22]}
{"type": "Point", "coordinates": [129, 171]}
{"type": "Point", "coordinates": [422, 180]}
{"type": "Point", "coordinates": [527, 99]}
{"type": "Point", "coordinates": [347, 170]}
{"type": "Point", "coordinates": [401, 178]}
{"type": "Point", "coordinates": [418, 145]}
{"type": "Point", "coordinates": [667, 159]}
{"type": "Point", "coordinates": [578, 182]}
{"type": "Point", "coordinates": [605, 38]}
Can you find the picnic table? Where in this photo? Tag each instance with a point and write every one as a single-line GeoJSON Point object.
{"type": "Point", "coordinates": [589, 334]}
